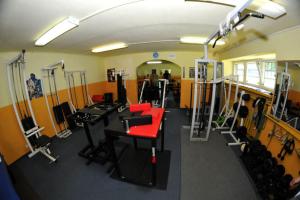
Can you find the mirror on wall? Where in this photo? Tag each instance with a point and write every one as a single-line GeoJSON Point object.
{"type": "Point", "coordinates": [286, 98]}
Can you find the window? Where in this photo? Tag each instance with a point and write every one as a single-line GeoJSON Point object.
{"type": "Point", "coordinates": [252, 76]}
{"type": "Point", "coordinates": [256, 72]}
{"type": "Point", "coordinates": [269, 73]}
{"type": "Point", "coordinates": [239, 70]}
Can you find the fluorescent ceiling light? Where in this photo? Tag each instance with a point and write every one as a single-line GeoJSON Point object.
{"type": "Point", "coordinates": [199, 40]}
{"type": "Point", "coordinates": [110, 47]}
{"type": "Point", "coordinates": [154, 62]}
{"type": "Point", "coordinates": [57, 30]}
{"type": "Point", "coordinates": [266, 7]}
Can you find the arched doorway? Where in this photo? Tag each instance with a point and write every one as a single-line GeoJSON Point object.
{"type": "Point", "coordinates": [145, 69]}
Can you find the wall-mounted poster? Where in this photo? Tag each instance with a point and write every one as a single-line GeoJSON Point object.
{"type": "Point", "coordinates": [34, 87]}
{"type": "Point", "coordinates": [111, 75]}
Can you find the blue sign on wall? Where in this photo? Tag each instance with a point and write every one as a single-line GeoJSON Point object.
{"type": "Point", "coordinates": [155, 55]}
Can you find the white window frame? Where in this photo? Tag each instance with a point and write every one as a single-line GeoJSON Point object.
{"type": "Point", "coordinates": [258, 64]}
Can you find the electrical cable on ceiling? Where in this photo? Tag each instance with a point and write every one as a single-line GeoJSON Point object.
{"type": "Point", "coordinates": [108, 9]}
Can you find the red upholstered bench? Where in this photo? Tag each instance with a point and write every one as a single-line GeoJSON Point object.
{"type": "Point", "coordinates": [98, 98]}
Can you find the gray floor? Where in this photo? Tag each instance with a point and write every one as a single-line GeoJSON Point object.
{"type": "Point", "coordinates": [71, 179]}
{"type": "Point", "coordinates": [208, 171]}
{"type": "Point", "coordinates": [212, 171]}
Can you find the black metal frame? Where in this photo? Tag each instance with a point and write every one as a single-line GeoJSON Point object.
{"type": "Point", "coordinates": [111, 135]}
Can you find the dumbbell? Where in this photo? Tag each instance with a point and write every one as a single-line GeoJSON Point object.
{"type": "Point", "coordinates": [243, 112]}
{"type": "Point", "coordinates": [278, 171]}
{"type": "Point", "coordinates": [230, 122]}
{"type": "Point", "coordinates": [245, 97]}
{"type": "Point", "coordinates": [241, 132]}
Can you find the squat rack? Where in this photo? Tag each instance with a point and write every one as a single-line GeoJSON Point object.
{"type": "Point", "coordinates": [36, 142]}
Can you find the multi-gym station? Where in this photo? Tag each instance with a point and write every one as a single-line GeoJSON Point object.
{"type": "Point", "coordinates": [150, 99]}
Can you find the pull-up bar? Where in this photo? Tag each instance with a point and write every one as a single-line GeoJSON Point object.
{"type": "Point", "coordinates": [231, 23]}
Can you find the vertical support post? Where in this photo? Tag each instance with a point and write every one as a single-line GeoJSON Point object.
{"type": "Point", "coordinates": [143, 87]}
{"type": "Point", "coordinates": [164, 93]}
{"type": "Point", "coordinates": [212, 105]}
{"type": "Point", "coordinates": [195, 100]}
{"type": "Point", "coordinates": [27, 94]}
{"type": "Point", "coordinates": [162, 148]}
{"type": "Point", "coordinates": [48, 108]}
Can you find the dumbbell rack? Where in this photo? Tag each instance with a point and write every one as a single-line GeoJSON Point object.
{"type": "Point", "coordinates": [231, 132]}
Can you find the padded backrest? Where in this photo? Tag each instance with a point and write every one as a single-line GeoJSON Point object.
{"type": "Point", "coordinates": [140, 107]}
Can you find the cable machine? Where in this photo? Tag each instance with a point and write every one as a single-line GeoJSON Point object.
{"type": "Point", "coordinates": [199, 123]}
{"type": "Point", "coordinates": [232, 20]}
{"type": "Point", "coordinates": [49, 76]}
{"type": "Point", "coordinates": [72, 94]}
{"type": "Point", "coordinates": [36, 142]}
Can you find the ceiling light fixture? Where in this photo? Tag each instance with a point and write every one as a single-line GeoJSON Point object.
{"type": "Point", "coordinates": [198, 40]}
{"type": "Point", "coordinates": [109, 47]}
{"type": "Point", "coordinates": [240, 27]}
{"type": "Point", "coordinates": [154, 62]}
{"type": "Point", "coordinates": [266, 7]}
{"type": "Point", "coordinates": [57, 30]}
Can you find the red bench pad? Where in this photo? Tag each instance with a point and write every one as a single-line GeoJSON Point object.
{"type": "Point", "coordinates": [140, 107]}
{"type": "Point", "coordinates": [149, 130]}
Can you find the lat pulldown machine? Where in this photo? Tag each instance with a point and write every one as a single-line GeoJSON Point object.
{"type": "Point", "coordinates": [49, 76]}
{"type": "Point", "coordinates": [72, 94]}
{"type": "Point", "coordinates": [36, 142]}
{"type": "Point", "coordinates": [233, 19]}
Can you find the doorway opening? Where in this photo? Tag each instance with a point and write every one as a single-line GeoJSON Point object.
{"type": "Point", "coordinates": [165, 70]}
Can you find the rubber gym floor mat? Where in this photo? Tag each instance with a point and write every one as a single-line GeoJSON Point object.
{"type": "Point", "coordinates": [212, 171]}
{"type": "Point", "coordinates": [23, 188]}
{"type": "Point", "coordinates": [71, 179]}
{"type": "Point", "coordinates": [137, 166]}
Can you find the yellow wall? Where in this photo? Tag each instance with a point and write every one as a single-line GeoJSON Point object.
{"type": "Point", "coordinates": [35, 60]}
{"type": "Point", "coordinates": [130, 62]}
{"type": "Point", "coordinates": [285, 44]}
{"type": "Point", "coordinates": [12, 142]}
{"type": "Point", "coordinates": [145, 69]}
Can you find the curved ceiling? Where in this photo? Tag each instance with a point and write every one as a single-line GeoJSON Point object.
{"type": "Point", "coordinates": [146, 25]}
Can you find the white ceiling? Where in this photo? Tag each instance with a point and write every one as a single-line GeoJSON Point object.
{"type": "Point", "coordinates": [149, 25]}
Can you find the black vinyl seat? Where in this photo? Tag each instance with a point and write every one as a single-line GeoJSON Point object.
{"type": "Point", "coordinates": [43, 141]}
